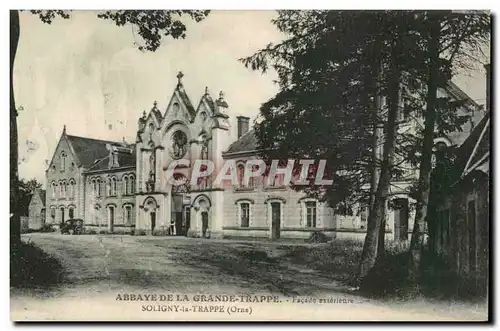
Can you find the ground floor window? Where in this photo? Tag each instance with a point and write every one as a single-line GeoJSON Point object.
{"type": "Point", "coordinates": [311, 214]}
{"type": "Point", "coordinates": [71, 212]}
{"type": "Point", "coordinates": [244, 214]}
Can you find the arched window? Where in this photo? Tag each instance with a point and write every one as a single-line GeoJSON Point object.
{"type": "Point", "coordinates": [125, 185]}
{"type": "Point", "coordinates": [113, 186]}
{"type": "Point", "coordinates": [63, 161]}
{"type": "Point", "coordinates": [98, 187]}
{"type": "Point", "coordinates": [132, 184]}
{"type": "Point", "coordinates": [71, 212]}
{"type": "Point", "coordinates": [71, 188]}
{"type": "Point", "coordinates": [240, 170]}
{"type": "Point", "coordinates": [62, 189]}
{"type": "Point", "coordinates": [54, 190]}
{"type": "Point", "coordinates": [128, 214]}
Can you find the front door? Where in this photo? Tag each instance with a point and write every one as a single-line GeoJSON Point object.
{"type": "Point", "coordinates": [204, 223]}
{"type": "Point", "coordinates": [401, 219]}
{"type": "Point", "coordinates": [62, 215]}
{"type": "Point", "coordinates": [153, 221]}
{"type": "Point", "coordinates": [187, 220]}
{"type": "Point", "coordinates": [275, 220]}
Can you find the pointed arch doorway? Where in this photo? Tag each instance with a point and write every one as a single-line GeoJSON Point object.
{"type": "Point", "coordinates": [151, 209]}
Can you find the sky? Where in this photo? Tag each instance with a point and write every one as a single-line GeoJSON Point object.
{"type": "Point", "coordinates": [86, 73]}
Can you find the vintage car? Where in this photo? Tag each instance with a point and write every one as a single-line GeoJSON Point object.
{"type": "Point", "coordinates": [72, 226]}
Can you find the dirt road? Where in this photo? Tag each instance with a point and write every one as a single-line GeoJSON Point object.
{"type": "Point", "coordinates": [101, 271]}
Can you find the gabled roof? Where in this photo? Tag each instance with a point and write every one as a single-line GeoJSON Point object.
{"type": "Point", "coordinates": [125, 160]}
{"type": "Point", "coordinates": [475, 148]}
{"type": "Point", "coordinates": [185, 99]}
{"type": "Point", "coordinates": [88, 150]}
{"type": "Point", "coordinates": [247, 142]}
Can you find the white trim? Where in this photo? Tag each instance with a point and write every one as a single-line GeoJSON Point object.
{"type": "Point", "coordinates": [303, 218]}
{"type": "Point", "coordinates": [475, 147]}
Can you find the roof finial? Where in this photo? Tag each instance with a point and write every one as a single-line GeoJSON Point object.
{"type": "Point", "coordinates": [221, 95]}
{"type": "Point", "coordinates": [206, 90]}
{"type": "Point", "coordinates": [144, 114]}
{"type": "Point", "coordinates": [179, 78]}
{"type": "Point", "coordinates": [155, 104]}
{"type": "Point", "coordinates": [64, 128]}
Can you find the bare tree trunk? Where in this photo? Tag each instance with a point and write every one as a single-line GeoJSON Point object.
{"type": "Point", "coordinates": [370, 247]}
{"type": "Point", "coordinates": [417, 239]}
{"type": "Point", "coordinates": [15, 220]}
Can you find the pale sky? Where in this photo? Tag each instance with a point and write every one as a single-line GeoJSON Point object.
{"type": "Point", "coordinates": [86, 73]}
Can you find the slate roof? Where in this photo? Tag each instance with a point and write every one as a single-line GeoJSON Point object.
{"type": "Point", "coordinates": [88, 150]}
{"type": "Point", "coordinates": [124, 160]}
{"type": "Point", "coordinates": [247, 142]}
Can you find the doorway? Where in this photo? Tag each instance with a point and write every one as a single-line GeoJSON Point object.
{"type": "Point", "coordinates": [275, 220]}
{"type": "Point", "coordinates": [111, 218]}
{"type": "Point", "coordinates": [187, 219]}
{"type": "Point", "coordinates": [401, 212]}
{"type": "Point", "coordinates": [204, 223]}
{"type": "Point", "coordinates": [152, 216]}
{"type": "Point", "coordinates": [62, 214]}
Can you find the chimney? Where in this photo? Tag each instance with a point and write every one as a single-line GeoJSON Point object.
{"type": "Point", "coordinates": [488, 86]}
{"type": "Point", "coordinates": [243, 123]}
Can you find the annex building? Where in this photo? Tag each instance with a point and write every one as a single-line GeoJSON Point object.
{"type": "Point", "coordinates": [120, 187]}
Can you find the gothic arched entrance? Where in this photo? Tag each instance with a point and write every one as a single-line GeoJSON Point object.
{"type": "Point", "coordinates": [151, 208]}
{"type": "Point", "coordinates": [201, 205]}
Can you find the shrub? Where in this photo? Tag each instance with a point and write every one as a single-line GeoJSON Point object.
{"type": "Point", "coordinates": [47, 228]}
{"type": "Point", "coordinates": [140, 232]}
{"type": "Point", "coordinates": [103, 232]}
{"type": "Point", "coordinates": [91, 231]}
{"type": "Point", "coordinates": [132, 232]}
{"type": "Point", "coordinates": [317, 238]}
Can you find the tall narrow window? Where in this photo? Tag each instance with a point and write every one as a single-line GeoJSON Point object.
{"type": "Point", "coordinates": [71, 212]}
{"type": "Point", "coordinates": [54, 190]}
{"type": "Point", "coordinates": [63, 161]}
{"type": "Point", "coordinates": [128, 214]}
{"type": "Point", "coordinates": [240, 173]}
{"type": "Point", "coordinates": [53, 214]}
{"type": "Point", "coordinates": [125, 185]}
{"type": "Point", "coordinates": [99, 187]}
{"type": "Point", "coordinates": [244, 214]}
{"type": "Point", "coordinates": [311, 214]}
{"type": "Point", "coordinates": [132, 184]}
